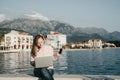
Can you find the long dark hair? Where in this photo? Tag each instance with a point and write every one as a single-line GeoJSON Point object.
{"type": "Point", "coordinates": [35, 48]}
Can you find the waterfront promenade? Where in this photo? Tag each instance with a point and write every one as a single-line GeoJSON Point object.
{"type": "Point", "coordinates": [59, 77]}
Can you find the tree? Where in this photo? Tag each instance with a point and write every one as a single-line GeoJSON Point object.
{"type": "Point", "coordinates": [1, 37]}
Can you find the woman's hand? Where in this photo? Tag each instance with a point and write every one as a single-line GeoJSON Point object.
{"type": "Point", "coordinates": [56, 56]}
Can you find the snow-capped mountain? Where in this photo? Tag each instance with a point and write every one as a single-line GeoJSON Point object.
{"type": "Point", "coordinates": [3, 17]}
{"type": "Point", "coordinates": [36, 16]}
{"type": "Point", "coordinates": [38, 26]}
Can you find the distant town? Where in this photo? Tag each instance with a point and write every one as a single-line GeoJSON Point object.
{"type": "Point", "coordinates": [17, 41]}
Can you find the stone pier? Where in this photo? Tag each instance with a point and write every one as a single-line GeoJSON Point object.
{"type": "Point", "coordinates": [59, 77]}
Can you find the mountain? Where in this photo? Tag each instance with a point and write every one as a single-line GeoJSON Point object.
{"type": "Point", "coordinates": [35, 15]}
{"type": "Point", "coordinates": [37, 26]}
{"type": "Point", "coordinates": [92, 30]}
{"type": "Point", "coordinates": [62, 27]}
{"type": "Point", "coordinates": [114, 35]}
{"type": "Point", "coordinates": [3, 17]}
{"type": "Point", "coordinates": [31, 26]}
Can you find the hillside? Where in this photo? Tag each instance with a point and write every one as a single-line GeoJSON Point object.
{"type": "Point", "coordinates": [74, 34]}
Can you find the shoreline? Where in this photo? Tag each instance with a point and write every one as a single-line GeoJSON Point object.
{"type": "Point", "coordinates": [88, 49]}
{"type": "Point", "coordinates": [13, 51]}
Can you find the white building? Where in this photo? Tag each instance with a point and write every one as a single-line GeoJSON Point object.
{"type": "Point", "coordinates": [18, 40]}
{"type": "Point", "coordinates": [109, 45]}
{"type": "Point", "coordinates": [56, 39]}
{"type": "Point", "coordinates": [96, 43]}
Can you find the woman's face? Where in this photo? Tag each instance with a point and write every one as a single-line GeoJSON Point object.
{"type": "Point", "coordinates": [40, 42]}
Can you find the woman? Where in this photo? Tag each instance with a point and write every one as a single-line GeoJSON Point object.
{"type": "Point", "coordinates": [39, 49]}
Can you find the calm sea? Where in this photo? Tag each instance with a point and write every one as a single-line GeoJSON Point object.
{"type": "Point", "coordinates": [98, 62]}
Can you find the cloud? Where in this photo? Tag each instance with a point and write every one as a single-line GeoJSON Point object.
{"type": "Point", "coordinates": [36, 15]}
{"type": "Point", "coordinates": [3, 17]}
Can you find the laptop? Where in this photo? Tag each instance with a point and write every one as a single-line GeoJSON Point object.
{"type": "Point", "coordinates": [44, 61]}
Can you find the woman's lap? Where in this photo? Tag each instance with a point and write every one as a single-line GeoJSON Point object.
{"type": "Point", "coordinates": [44, 73]}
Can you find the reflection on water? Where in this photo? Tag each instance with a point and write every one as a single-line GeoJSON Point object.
{"type": "Point", "coordinates": [106, 62]}
{"type": "Point", "coordinates": [60, 66]}
{"type": "Point", "coordinates": [11, 62]}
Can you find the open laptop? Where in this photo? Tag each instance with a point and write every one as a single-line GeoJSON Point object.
{"type": "Point", "coordinates": [45, 61]}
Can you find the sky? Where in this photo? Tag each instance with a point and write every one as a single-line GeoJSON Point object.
{"type": "Point", "coordinates": [79, 13]}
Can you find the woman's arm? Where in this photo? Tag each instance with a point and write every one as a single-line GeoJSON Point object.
{"type": "Point", "coordinates": [56, 56]}
{"type": "Point", "coordinates": [32, 61]}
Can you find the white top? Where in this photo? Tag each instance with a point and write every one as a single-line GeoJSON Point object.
{"type": "Point", "coordinates": [45, 51]}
